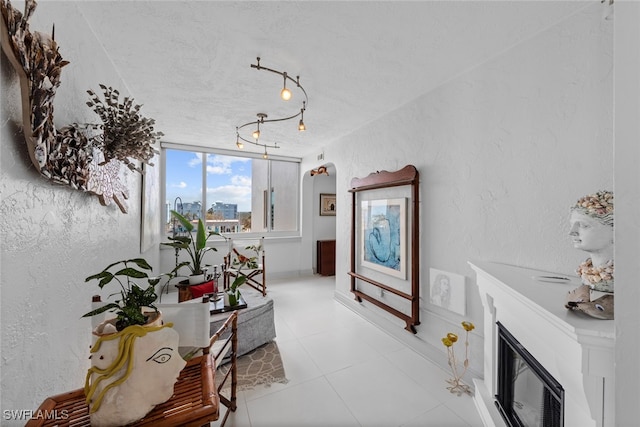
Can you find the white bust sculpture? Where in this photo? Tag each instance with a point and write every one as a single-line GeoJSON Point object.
{"type": "Point", "coordinates": [592, 231]}
{"type": "Point", "coordinates": [131, 372]}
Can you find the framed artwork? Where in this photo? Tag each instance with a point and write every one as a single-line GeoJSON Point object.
{"type": "Point", "coordinates": [327, 205]}
{"type": "Point", "coordinates": [447, 290]}
{"type": "Point", "coordinates": [150, 212]}
{"type": "Point", "coordinates": [384, 236]}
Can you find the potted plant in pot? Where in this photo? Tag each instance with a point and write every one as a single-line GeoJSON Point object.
{"type": "Point", "coordinates": [196, 248]}
{"type": "Point", "coordinates": [136, 306]}
{"type": "Point", "coordinates": [122, 368]}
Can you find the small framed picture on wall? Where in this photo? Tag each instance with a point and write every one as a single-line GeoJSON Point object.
{"type": "Point", "coordinates": [448, 291]}
{"type": "Point", "coordinates": [327, 204]}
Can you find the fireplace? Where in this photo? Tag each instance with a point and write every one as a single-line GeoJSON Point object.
{"type": "Point", "coordinates": [556, 346]}
{"type": "Point", "coordinates": [528, 396]}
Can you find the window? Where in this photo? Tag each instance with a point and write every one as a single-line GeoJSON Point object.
{"type": "Point", "coordinates": [232, 194]}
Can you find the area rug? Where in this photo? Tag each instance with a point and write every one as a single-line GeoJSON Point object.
{"type": "Point", "coordinates": [262, 366]}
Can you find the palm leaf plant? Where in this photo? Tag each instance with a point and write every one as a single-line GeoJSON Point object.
{"type": "Point", "coordinates": [195, 247]}
{"type": "Point", "coordinates": [129, 307]}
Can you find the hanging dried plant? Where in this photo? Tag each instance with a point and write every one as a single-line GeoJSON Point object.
{"type": "Point", "coordinates": [64, 156]}
{"type": "Point", "coordinates": [69, 158]}
{"type": "Point", "coordinates": [125, 134]}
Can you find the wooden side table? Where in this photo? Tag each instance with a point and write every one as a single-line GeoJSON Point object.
{"type": "Point", "coordinates": [195, 402]}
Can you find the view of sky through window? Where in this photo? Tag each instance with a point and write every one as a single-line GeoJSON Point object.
{"type": "Point", "coordinates": [228, 179]}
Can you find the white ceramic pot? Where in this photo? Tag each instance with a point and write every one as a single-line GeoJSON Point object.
{"type": "Point", "coordinates": [195, 279]}
{"type": "Point", "coordinates": [226, 299]}
{"type": "Point", "coordinates": [154, 364]}
{"type": "Point", "coordinates": [231, 298]}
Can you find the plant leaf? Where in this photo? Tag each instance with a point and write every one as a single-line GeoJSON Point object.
{"type": "Point", "coordinates": [141, 263]}
{"type": "Point", "coordinates": [184, 221]}
{"type": "Point", "coordinates": [131, 272]}
{"type": "Point", "coordinates": [101, 309]}
{"type": "Point", "coordinates": [201, 236]}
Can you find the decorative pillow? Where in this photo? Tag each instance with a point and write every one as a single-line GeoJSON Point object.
{"type": "Point", "coordinates": [199, 290]}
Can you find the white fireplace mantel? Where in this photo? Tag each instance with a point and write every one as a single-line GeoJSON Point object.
{"type": "Point", "coordinates": [577, 350]}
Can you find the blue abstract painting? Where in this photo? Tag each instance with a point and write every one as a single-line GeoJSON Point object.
{"type": "Point", "coordinates": [384, 236]}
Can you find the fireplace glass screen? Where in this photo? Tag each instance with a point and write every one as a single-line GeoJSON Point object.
{"type": "Point", "coordinates": [528, 396]}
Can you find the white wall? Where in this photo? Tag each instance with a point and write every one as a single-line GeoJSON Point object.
{"type": "Point", "coordinates": [53, 237]}
{"type": "Point", "coordinates": [627, 227]}
{"type": "Point", "coordinates": [503, 149]}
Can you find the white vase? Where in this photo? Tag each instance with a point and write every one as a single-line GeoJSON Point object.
{"type": "Point", "coordinates": [149, 383]}
{"type": "Point", "coordinates": [226, 299]}
{"type": "Point", "coordinates": [196, 279]}
{"type": "Point", "coordinates": [231, 298]}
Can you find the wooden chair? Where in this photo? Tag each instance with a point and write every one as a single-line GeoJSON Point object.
{"type": "Point", "coordinates": [256, 277]}
{"type": "Point", "coordinates": [193, 325]}
{"type": "Point", "coordinates": [196, 399]}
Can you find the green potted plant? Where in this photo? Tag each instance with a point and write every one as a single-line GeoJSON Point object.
{"type": "Point", "coordinates": [130, 309]}
{"type": "Point", "coordinates": [195, 247]}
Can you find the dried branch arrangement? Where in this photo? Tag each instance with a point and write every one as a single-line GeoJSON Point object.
{"type": "Point", "coordinates": [125, 133]}
{"type": "Point", "coordinates": [73, 155]}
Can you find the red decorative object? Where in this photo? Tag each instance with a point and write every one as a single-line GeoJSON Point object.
{"type": "Point", "coordinates": [205, 288]}
{"type": "Point", "coordinates": [187, 291]}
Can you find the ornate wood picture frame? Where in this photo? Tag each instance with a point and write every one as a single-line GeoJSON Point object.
{"type": "Point", "coordinates": [407, 176]}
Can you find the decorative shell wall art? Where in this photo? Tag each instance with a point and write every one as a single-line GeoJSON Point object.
{"type": "Point", "coordinates": [85, 157]}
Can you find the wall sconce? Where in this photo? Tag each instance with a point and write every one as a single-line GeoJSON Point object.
{"type": "Point", "coordinates": [322, 170]}
{"type": "Point", "coordinates": [286, 95]}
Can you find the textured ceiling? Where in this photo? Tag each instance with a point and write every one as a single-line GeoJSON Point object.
{"type": "Point", "coordinates": [189, 62]}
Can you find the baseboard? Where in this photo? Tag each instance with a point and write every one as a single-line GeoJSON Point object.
{"type": "Point", "coordinates": [486, 407]}
{"type": "Point", "coordinates": [397, 331]}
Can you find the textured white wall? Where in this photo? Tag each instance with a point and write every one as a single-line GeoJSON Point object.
{"type": "Point", "coordinates": [53, 237]}
{"type": "Point", "coordinates": [627, 187]}
{"type": "Point", "coordinates": [503, 150]}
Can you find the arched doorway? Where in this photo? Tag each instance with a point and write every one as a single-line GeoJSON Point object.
{"type": "Point", "coordinates": [319, 186]}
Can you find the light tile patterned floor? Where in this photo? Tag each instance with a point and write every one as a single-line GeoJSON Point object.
{"type": "Point", "coordinates": [343, 371]}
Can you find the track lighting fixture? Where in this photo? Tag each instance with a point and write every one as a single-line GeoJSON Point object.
{"type": "Point", "coordinates": [255, 134]}
{"type": "Point", "coordinates": [286, 95]}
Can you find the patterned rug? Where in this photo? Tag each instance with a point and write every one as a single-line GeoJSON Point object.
{"type": "Point", "coordinates": [262, 366]}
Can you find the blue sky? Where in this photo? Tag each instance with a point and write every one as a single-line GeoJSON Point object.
{"type": "Point", "coordinates": [228, 179]}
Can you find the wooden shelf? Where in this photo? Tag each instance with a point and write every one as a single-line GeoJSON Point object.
{"type": "Point", "coordinates": [194, 402]}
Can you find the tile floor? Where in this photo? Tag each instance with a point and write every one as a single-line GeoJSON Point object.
{"type": "Point", "coordinates": [344, 371]}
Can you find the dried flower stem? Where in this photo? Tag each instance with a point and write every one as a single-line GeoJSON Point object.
{"type": "Point", "coordinates": [457, 386]}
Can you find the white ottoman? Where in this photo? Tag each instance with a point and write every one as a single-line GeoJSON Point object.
{"type": "Point", "coordinates": [255, 323]}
